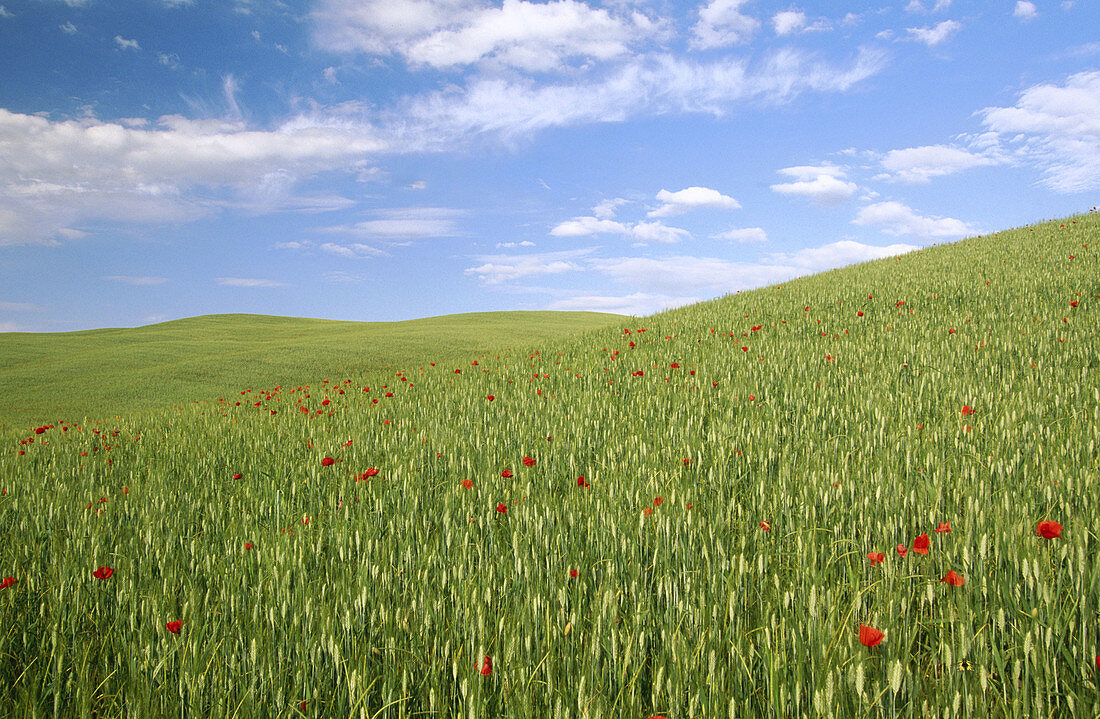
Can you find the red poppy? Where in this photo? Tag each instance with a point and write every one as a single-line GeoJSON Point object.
{"type": "Point", "coordinates": [174, 627]}
{"type": "Point", "coordinates": [328, 462]}
{"type": "Point", "coordinates": [752, 398]}
{"type": "Point", "coordinates": [582, 482]}
{"type": "Point", "coordinates": [869, 636]}
{"type": "Point", "coordinates": [943, 528]}
{"type": "Point", "coordinates": [1073, 303]}
{"type": "Point", "coordinates": [876, 558]}
{"type": "Point", "coordinates": [675, 365]}
{"type": "Point", "coordinates": [506, 473]}
{"type": "Point", "coordinates": [902, 550]}
{"type": "Point", "coordinates": [687, 461]}
{"type": "Point", "coordinates": [486, 666]}
{"type": "Point", "coordinates": [491, 398]}
{"type": "Point", "coordinates": [467, 484]}
{"type": "Point", "coordinates": [370, 472]}
{"type": "Point", "coordinates": [657, 501]}
{"type": "Point", "coordinates": [859, 314]}
{"type": "Point", "coordinates": [920, 544]}
{"type": "Point", "coordinates": [103, 573]}
{"type": "Point", "coordinates": [954, 579]}
{"type": "Point", "coordinates": [502, 507]}
{"type": "Point", "coordinates": [8, 581]}
{"type": "Point", "coordinates": [528, 462]}
{"type": "Point", "coordinates": [766, 526]}
{"type": "Point", "coordinates": [1049, 529]}
{"type": "Point", "coordinates": [967, 410]}
{"type": "Point", "coordinates": [647, 511]}
{"type": "Point", "coordinates": [573, 573]}
{"type": "Point", "coordinates": [247, 546]}
{"type": "Point", "coordinates": [237, 476]}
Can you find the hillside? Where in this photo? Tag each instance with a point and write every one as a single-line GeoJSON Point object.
{"type": "Point", "coordinates": [867, 493]}
{"type": "Point", "coordinates": [49, 377]}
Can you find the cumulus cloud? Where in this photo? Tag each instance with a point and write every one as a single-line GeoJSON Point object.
{"type": "Point", "coordinates": [1025, 11]}
{"type": "Point", "coordinates": [919, 164]}
{"type": "Point", "coordinates": [936, 34]}
{"type": "Point", "coordinates": [125, 44]}
{"type": "Point", "coordinates": [722, 23]}
{"type": "Point", "coordinates": [786, 22]}
{"type": "Point", "coordinates": [823, 185]}
{"type": "Point", "coordinates": [56, 173]}
{"type": "Point", "coordinates": [247, 282]}
{"type": "Point", "coordinates": [916, 6]}
{"type": "Point", "coordinates": [444, 34]}
{"type": "Point", "coordinates": [606, 209]}
{"type": "Point", "coordinates": [744, 234]}
{"type": "Point", "coordinates": [679, 202]}
{"type": "Point", "coordinates": [1055, 127]}
{"type": "Point", "coordinates": [4, 13]}
{"type": "Point", "coordinates": [895, 218]}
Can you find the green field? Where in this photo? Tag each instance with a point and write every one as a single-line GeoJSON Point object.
{"type": "Point", "coordinates": [677, 516]}
{"type": "Point", "coordinates": [101, 374]}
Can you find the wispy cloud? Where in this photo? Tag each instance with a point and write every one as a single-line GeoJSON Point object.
{"type": "Point", "coordinates": [125, 44]}
{"type": "Point", "coordinates": [894, 218]}
{"type": "Point", "coordinates": [936, 34]}
{"type": "Point", "coordinates": [248, 282]}
{"type": "Point", "coordinates": [136, 281]}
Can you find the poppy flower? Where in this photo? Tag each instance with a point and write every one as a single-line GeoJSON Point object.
{"type": "Point", "coordinates": [687, 461]}
{"type": "Point", "coordinates": [920, 544]}
{"type": "Point", "coordinates": [247, 546]}
{"type": "Point", "coordinates": [370, 472]}
{"type": "Point", "coordinates": [486, 666]}
{"type": "Point", "coordinates": [954, 579]}
{"type": "Point", "coordinates": [8, 581]}
{"type": "Point", "coordinates": [1049, 529]}
{"type": "Point", "coordinates": [967, 410]}
{"type": "Point", "coordinates": [528, 462]}
{"type": "Point", "coordinates": [675, 365]}
{"type": "Point", "coordinates": [647, 511]}
{"type": "Point", "coordinates": [328, 462]}
{"type": "Point", "coordinates": [237, 476]}
{"type": "Point", "coordinates": [657, 501]}
{"type": "Point", "coordinates": [876, 558]}
{"type": "Point", "coordinates": [766, 526]}
{"type": "Point", "coordinates": [859, 314]}
{"type": "Point", "coordinates": [502, 507]}
{"type": "Point", "coordinates": [174, 627]}
{"type": "Point", "coordinates": [573, 573]}
{"type": "Point", "coordinates": [506, 474]}
{"type": "Point", "coordinates": [869, 636]}
{"type": "Point", "coordinates": [491, 398]}
{"type": "Point", "coordinates": [582, 482]}
{"type": "Point", "coordinates": [467, 484]}
{"type": "Point", "coordinates": [943, 528]}
{"type": "Point", "coordinates": [103, 573]}
{"type": "Point", "coordinates": [902, 550]}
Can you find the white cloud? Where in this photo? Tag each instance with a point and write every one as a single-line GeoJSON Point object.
{"type": "Point", "coordinates": [247, 282]}
{"type": "Point", "coordinates": [919, 164]}
{"type": "Point", "coordinates": [125, 44]}
{"type": "Point", "coordinates": [509, 245]}
{"type": "Point", "coordinates": [292, 245]}
{"type": "Point", "coordinates": [915, 6]}
{"type": "Point", "coordinates": [787, 21]}
{"type": "Point", "coordinates": [68, 28]}
{"type": "Point", "coordinates": [654, 84]}
{"type": "Point", "coordinates": [496, 269]}
{"type": "Point", "coordinates": [744, 234]}
{"type": "Point", "coordinates": [4, 13]}
{"type": "Point", "coordinates": [722, 23]}
{"type": "Point", "coordinates": [895, 218]}
{"type": "Point", "coordinates": [405, 223]}
{"type": "Point", "coordinates": [823, 185]}
{"type": "Point", "coordinates": [444, 33]}
{"type": "Point", "coordinates": [606, 209]}
{"type": "Point", "coordinates": [1025, 11]}
{"type": "Point", "coordinates": [938, 33]}
{"type": "Point", "coordinates": [1055, 127]}
{"type": "Point", "coordinates": [53, 174]}
{"type": "Point", "coordinates": [838, 254]}
{"type": "Point", "coordinates": [418, 185]}
{"type": "Point", "coordinates": [353, 251]}
{"type": "Point", "coordinates": [137, 281]}
{"type": "Point", "coordinates": [640, 232]}
{"type": "Point", "coordinates": [676, 203]}
{"type": "Point", "coordinates": [680, 275]}
{"type": "Point", "coordinates": [637, 304]}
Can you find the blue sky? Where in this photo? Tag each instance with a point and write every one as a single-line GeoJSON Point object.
{"type": "Point", "coordinates": [392, 159]}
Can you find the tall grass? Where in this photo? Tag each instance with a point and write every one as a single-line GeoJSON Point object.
{"type": "Point", "coordinates": [720, 545]}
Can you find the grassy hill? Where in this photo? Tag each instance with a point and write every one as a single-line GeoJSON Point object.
{"type": "Point", "coordinates": [867, 493]}
{"type": "Point", "coordinates": [50, 377]}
